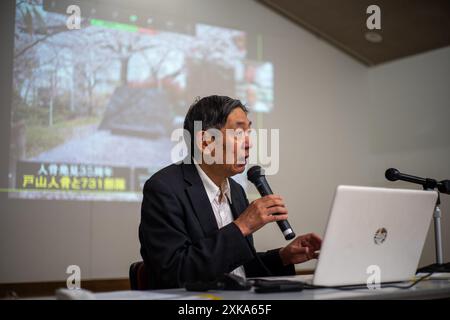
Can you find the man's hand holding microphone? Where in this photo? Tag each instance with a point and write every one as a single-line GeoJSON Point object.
{"type": "Point", "coordinates": [272, 208]}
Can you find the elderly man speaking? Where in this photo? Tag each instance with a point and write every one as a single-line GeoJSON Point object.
{"type": "Point", "coordinates": [196, 221]}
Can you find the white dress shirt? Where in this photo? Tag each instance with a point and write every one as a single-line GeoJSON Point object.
{"type": "Point", "coordinates": [220, 205]}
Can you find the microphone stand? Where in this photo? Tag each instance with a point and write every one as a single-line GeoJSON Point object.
{"type": "Point", "coordinates": [439, 266]}
{"type": "Point", "coordinates": [428, 184]}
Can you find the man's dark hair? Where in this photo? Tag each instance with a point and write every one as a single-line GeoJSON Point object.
{"type": "Point", "coordinates": [213, 112]}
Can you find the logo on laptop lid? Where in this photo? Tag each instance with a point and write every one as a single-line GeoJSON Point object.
{"type": "Point", "coordinates": [380, 236]}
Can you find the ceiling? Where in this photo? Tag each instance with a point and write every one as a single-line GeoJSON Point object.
{"type": "Point", "coordinates": [408, 27]}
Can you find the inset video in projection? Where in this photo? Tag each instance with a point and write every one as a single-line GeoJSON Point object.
{"type": "Point", "coordinates": [93, 108]}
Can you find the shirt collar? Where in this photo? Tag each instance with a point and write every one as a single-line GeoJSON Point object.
{"type": "Point", "coordinates": [212, 190]}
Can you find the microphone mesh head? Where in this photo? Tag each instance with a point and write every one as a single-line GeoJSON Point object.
{"type": "Point", "coordinates": [391, 174]}
{"type": "Point", "coordinates": [254, 173]}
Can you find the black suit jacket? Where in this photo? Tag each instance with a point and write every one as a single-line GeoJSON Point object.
{"type": "Point", "coordinates": [180, 239]}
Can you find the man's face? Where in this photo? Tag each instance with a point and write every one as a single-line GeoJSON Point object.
{"type": "Point", "coordinates": [236, 142]}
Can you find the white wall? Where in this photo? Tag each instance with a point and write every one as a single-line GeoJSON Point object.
{"type": "Point", "coordinates": [409, 126]}
{"type": "Point", "coordinates": [393, 115]}
{"type": "Point", "coordinates": [340, 123]}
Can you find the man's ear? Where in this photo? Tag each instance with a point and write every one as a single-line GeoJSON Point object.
{"type": "Point", "coordinates": [203, 140]}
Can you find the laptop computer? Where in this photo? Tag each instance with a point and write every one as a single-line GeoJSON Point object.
{"type": "Point", "coordinates": [374, 230]}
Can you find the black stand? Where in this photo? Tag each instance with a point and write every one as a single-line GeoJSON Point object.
{"type": "Point", "coordinates": [439, 266]}
{"type": "Point", "coordinates": [435, 268]}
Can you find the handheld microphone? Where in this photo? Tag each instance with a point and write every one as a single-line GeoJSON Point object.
{"type": "Point", "coordinates": [255, 176]}
{"type": "Point", "coordinates": [443, 186]}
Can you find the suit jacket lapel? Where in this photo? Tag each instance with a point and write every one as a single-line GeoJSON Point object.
{"type": "Point", "coordinates": [236, 205]}
{"type": "Point", "coordinates": [199, 199]}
